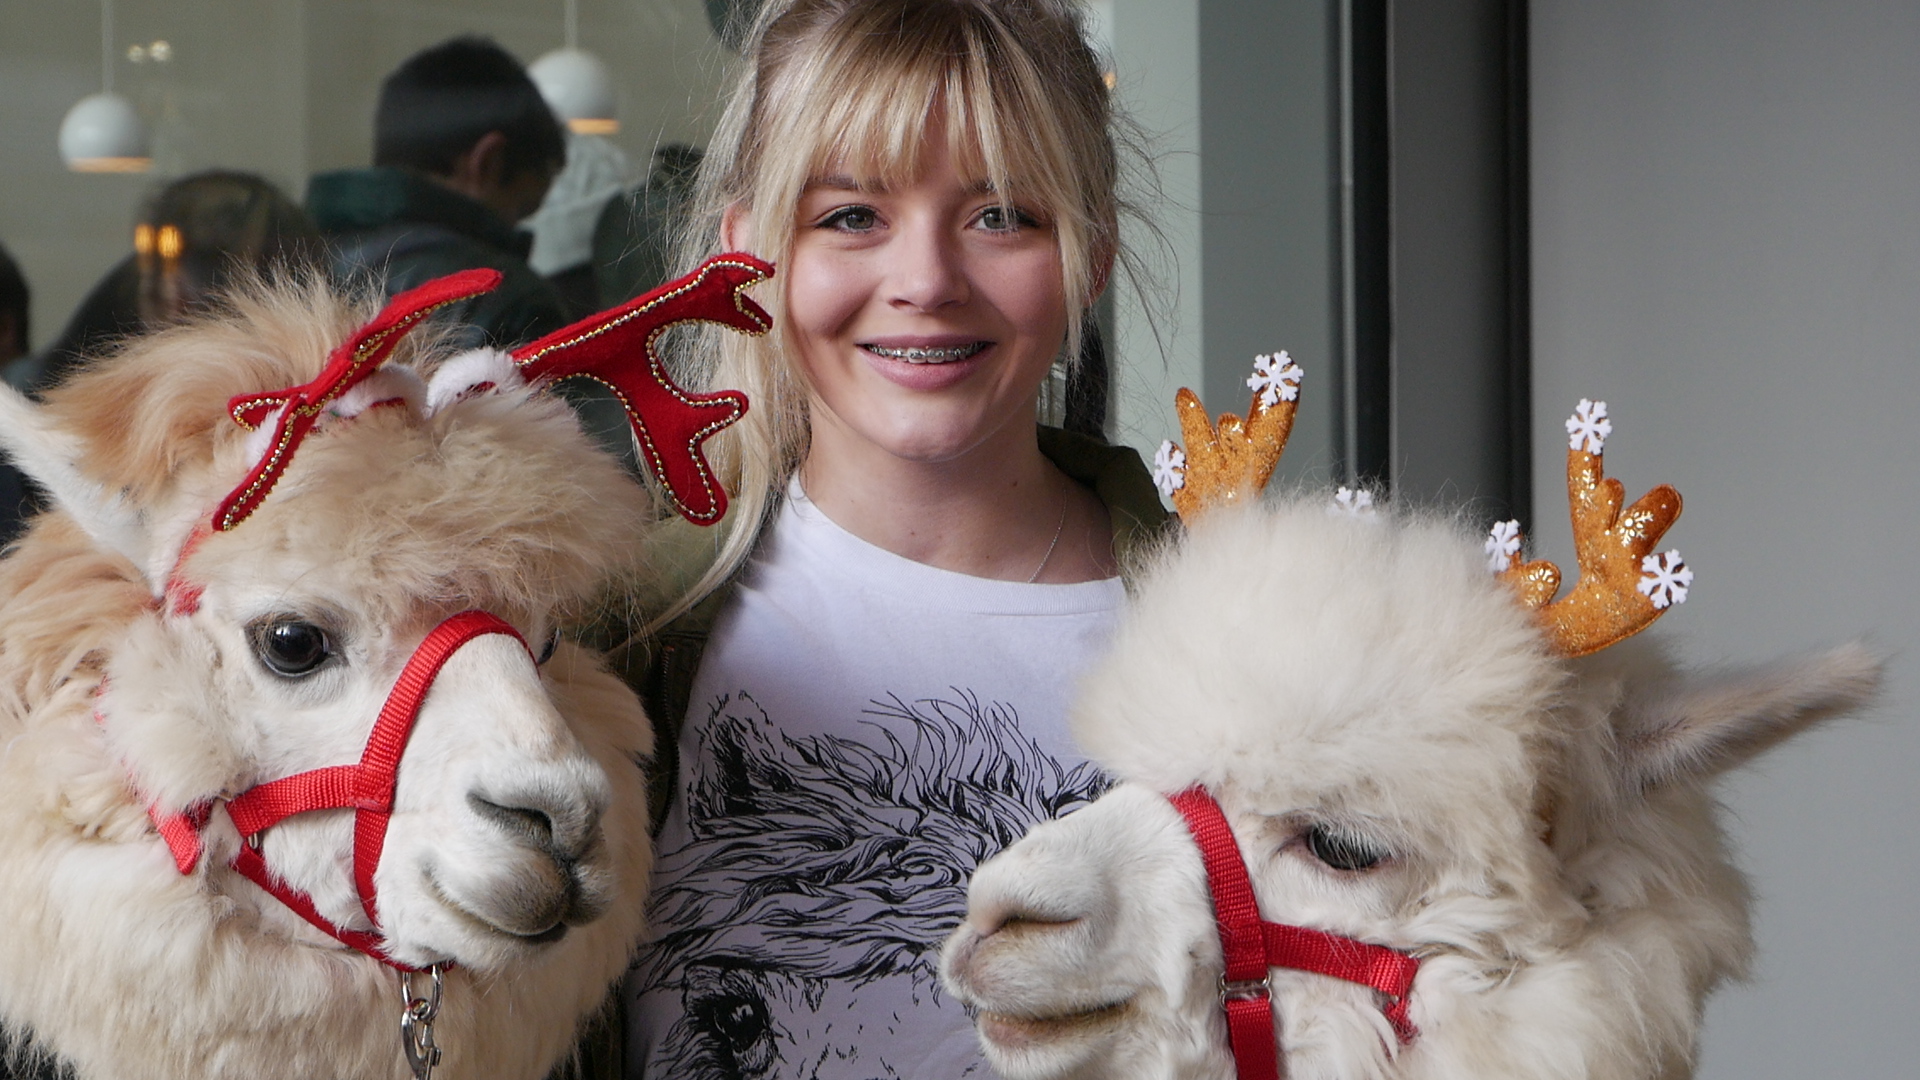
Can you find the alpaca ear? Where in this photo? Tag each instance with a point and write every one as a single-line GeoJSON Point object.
{"type": "Point", "coordinates": [50, 457]}
{"type": "Point", "coordinates": [1707, 725]}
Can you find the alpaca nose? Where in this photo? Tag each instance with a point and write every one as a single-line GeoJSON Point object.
{"type": "Point", "coordinates": [559, 824]}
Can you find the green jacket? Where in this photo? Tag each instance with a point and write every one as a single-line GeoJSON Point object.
{"type": "Point", "coordinates": [389, 222]}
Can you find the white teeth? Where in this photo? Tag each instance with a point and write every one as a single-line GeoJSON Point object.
{"type": "Point", "coordinates": [916, 355]}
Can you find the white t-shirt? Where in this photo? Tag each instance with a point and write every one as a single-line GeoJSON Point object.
{"type": "Point", "coordinates": [864, 731]}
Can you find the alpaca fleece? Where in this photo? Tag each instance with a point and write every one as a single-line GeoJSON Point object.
{"type": "Point", "coordinates": [112, 960]}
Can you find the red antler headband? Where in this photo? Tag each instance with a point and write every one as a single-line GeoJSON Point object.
{"type": "Point", "coordinates": [615, 348]}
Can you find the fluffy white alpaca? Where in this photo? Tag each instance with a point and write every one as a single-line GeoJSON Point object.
{"type": "Point", "coordinates": [518, 840]}
{"type": "Point", "coordinates": [1404, 762]}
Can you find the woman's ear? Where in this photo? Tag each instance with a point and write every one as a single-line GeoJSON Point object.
{"type": "Point", "coordinates": [1102, 274]}
{"type": "Point", "coordinates": [736, 233]}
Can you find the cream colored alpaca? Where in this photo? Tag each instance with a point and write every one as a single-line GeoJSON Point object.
{"type": "Point", "coordinates": [518, 841]}
{"type": "Point", "coordinates": [1404, 762]}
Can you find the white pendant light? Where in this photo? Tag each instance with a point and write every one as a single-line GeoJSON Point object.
{"type": "Point", "coordinates": [102, 133]}
{"type": "Point", "coordinates": [576, 84]}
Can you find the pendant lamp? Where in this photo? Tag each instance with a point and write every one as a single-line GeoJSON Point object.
{"type": "Point", "coordinates": [576, 84]}
{"type": "Point", "coordinates": [102, 133]}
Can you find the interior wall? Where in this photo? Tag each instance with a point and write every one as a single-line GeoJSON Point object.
{"type": "Point", "coordinates": [1270, 211]}
{"type": "Point", "coordinates": [1238, 103]}
{"type": "Point", "coordinates": [1159, 344]}
{"type": "Point", "coordinates": [282, 89]}
{"type": "Point", "coordinates": [1727, 250]}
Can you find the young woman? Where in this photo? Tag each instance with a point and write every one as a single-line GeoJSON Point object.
{"type": "Point", "coordinates": [864, 694]}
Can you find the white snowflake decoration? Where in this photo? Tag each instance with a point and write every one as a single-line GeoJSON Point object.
{"type": "Point", "coordinates": [1169, 468]}
{"type": "Point", "coordinates": [1666, 579]}
{"type": "Point", "coordinates": [1352, 503]}
{"type": "Point", "coordinates": [1589, 425]}
{"type": "Point", "coordinates": [1503, 543]}
{"type": "Point", "coordinates": [1276, 378]}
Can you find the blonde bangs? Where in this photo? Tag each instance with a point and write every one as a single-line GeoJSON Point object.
{"type": "Point", "coordinates": [863, 101]}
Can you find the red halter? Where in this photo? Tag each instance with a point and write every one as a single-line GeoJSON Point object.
{"type": "Point", "coordinates": [1252, 945]}
{"type": "Point", "coordinates": [366, 787]}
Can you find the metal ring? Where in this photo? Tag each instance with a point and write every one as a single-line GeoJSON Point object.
{"type": "Point", "coordinates": [1260, 989]}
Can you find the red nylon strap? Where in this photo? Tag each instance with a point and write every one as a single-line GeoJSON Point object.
{"type": "Point", "coordinates": [260, 808]}
{"type": "Point", "coordinates": [1377, 966]}
{"type": "Point", "coordinates": [1244, 984]}
{"type": "Point", "coordinates": [182, 833]}
{"type": "Point", "coordinates": [250, 865]}
{"type": "Point", "coordinates": [379, 768]}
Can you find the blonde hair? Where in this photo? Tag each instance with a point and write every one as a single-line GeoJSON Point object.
{"type": "Point", "coordinates": [852, 84]}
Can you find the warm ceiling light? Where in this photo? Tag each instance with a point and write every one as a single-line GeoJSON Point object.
{"type": "Point", "coordinates": [102, 133]}
{"type": "Point", "coordinates": [578, 89]}
{"type": "Point", "coordinates": [575, 84]}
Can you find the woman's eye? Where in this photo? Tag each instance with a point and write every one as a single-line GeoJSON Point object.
{"type": "Point", "coordinates": [290, 648]}
{"type": "Point", "coordinates": [1006, 219]}
{"type": "Point", "coordinates": [851, 219]}
{"type": "Point", "coordinates": [1341, 850]}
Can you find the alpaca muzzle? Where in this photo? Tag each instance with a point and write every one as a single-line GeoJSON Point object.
{"type": "Point", "coordinates": [366, 787]}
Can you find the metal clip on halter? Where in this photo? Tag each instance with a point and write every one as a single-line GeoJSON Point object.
{"type": "Point", "coordinates": [1260, 989]}
{"type": "Point", "coordinates": [416, 1024]}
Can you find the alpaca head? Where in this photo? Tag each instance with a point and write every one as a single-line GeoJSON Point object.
{"type": "Point", "coordinates": [271, 646]}
{"type": "Point", "coordinates": [1404, 761]}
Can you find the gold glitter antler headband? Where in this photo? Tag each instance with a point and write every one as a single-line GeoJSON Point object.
{"type": "Point", "coordinates": [1233, 459]}
{"type": "Point", "coordinates": [1624, 586]}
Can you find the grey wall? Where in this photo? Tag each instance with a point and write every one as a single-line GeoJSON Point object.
{"type": "Point", "coordinates": [1270, 210]}
{"type": "Point", "coordinates": [1238, 102]}
{"type": "Point", "coordinates": [1727, 249]}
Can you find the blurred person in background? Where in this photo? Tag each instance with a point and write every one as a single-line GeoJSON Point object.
{"type": "Point", "coordinates": [597, 174]}
{"type": "Point", "coordinates": [464, 147]}
{"type": "Point", "coordinates": [633, 238]}
{"type": "Point", "coordinates": [14, 301]}
{"type": "Point", "coordinates": [192, 237]}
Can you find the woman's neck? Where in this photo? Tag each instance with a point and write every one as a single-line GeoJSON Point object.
{"type": "Point", "coordinates": [1000, 510]}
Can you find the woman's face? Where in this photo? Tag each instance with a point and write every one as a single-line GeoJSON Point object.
{"type": "Point", "coordinates": [924, 317]}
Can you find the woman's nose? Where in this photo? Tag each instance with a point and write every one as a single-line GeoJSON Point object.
{"type": "Point", "coordinates": [928, 271]}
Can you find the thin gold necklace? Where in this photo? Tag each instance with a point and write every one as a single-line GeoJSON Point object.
{"type": "Point", "coordinates": [1048, 557]}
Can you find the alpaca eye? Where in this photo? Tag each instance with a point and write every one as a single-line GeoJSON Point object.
{"type": "Point", "coordinates": [1342, 851]}
{"type": "Point", "coordinates": [552, 646]}
{"type": "Point", "coordinates": [290, 647]}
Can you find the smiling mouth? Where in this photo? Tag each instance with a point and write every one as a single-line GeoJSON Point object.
{"type": "Point", "coordinates": [916, 355]}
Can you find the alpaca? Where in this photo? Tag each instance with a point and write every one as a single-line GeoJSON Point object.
{"type": "Point", "coordinates": [1407, 758]}
{"type": "Point", "coordinates": [207, 610]}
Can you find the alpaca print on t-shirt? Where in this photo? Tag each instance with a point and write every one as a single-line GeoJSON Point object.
{"type": "Point", "coordinates": [800, 912]}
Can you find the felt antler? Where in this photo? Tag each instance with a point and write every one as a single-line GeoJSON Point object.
{"type": "Point", "coordinates": [1235, 458]}
{"type": "Point", "coordinates": [616, 349]}
{"type": "Point", "coordinates": [358, 357]}
{"type": "Point", "coordinates": [1624, 586]}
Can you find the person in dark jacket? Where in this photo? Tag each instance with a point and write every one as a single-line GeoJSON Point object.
{"type": "Point", "coordinates": [464, 147]}
{"type": "Point", "coordinates": [15, 498]}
